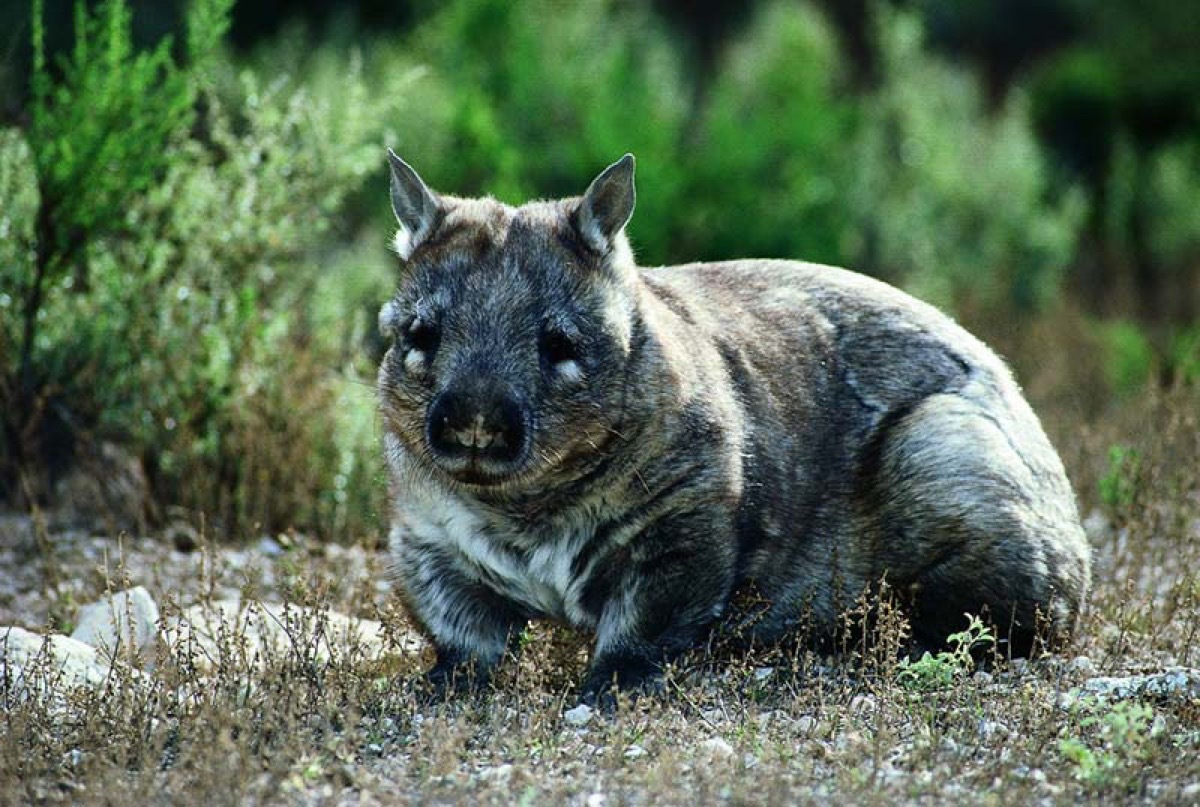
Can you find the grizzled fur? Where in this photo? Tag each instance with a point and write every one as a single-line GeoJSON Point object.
{"type": "Point", "coordinates": [575, 438]}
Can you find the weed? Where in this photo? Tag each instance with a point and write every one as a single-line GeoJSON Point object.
{"type": "Point", "coordinates": [1118, 487]}
{"type": "Point", "coordinates": [936, 672]}
{"type": "Point", "coordinates": [1122, 736]}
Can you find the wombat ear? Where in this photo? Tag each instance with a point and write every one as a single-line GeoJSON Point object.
{"type": "Point", "coordinates": [607, 205]}
{"type": "Point", "coordinates": [415, 206]}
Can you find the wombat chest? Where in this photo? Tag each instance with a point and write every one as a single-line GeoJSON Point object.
{"type": "Point", "coordinates": [540, 573]}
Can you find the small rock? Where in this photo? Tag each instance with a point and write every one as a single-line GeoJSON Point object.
{"type": "Point", "coordinates": [499, 774]}
{"type": "Point", "coordinates": [596, 800]}
{"type": "Point", "coordinates": [581, 715]}
{"type": "Point", "coordinates": [635, 752]}
{"type": "Point", "coordinates": [772, 717]}
{"type": "Point", "coordinates": [267, 630]}
{"type": "Point", "coordinates": [716, 748]}
{"type": "Point", "coordinates": [1179, 682]}
{"type": "Point", "coordinates": [763, 673]}
{"type": "Point", "coordinates": [1190, 791]}
{"type": "Point", "coordinates": [1097, 525]}
{"type": "Point", "coordinates": [983, 678]}
{"type": "Point", "coordinates": [992, 728]}
{"type": "Point", "coordinates": [268, 546]}
{"type": "Point", "coordinates": [862, 703]}
{"type": "Point", "coordinates": [1082, 665]}
{"type": "Point", "coordinates": [122, 620]}
{"type": "Point", "coordinates": [36, 663]}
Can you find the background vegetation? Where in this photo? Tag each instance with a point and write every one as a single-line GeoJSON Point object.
{"type": "Point", "coordinates": [194, 225]}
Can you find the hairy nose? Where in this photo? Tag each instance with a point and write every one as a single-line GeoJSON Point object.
{"type": "Point", "coordinates": [478, 423]}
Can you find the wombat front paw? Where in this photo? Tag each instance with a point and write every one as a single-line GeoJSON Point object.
{"type": "Point", "coordinates": [448, 679]}
{"type": "Point", "coordinates": [637, 679]}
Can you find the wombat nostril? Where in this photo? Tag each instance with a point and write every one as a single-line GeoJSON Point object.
{"type": "Point", "coordinates": [476, 426]}
{"type": "Point", "coordinates": [479, 435]}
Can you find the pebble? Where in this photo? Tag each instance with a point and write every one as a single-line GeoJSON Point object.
{"type": "Point", "coordinates": [499, 774]}
{"type": "Point", "coordinates": [269, 546]}
{"type": "Point", "coordinates": [1082, 665]}
{"type": "Point", "coordinates": [635, 752]}
{"type": "Point", "coordinates": [861, 703]}
{"type": "Point", "coordinates": [581, 715]}
{"type": "Point", "coordinates": [716, 748]}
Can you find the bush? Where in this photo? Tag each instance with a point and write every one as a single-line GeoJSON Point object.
{"type": "Point", "coordinates": [955, 203]}
{"type": "Point", "coordinates": [915, 181]}
{"type": "Point", "coordinates": [178, 291]}
{"type": "Point", "coordinates": [540, 96]}
{"type": "Point", "coordinates": [767, 176]}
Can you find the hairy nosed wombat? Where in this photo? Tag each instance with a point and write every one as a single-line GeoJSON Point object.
{"type": "Point", "coordinates": [572, 437]}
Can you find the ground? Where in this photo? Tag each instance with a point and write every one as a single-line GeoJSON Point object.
{"type": "Point", "coordinates": [778, 727]}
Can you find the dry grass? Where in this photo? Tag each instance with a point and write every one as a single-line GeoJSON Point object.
{"type": "Point", "coordinates": [777, 727]}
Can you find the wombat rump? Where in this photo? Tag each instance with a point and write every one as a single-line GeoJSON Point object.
{"type": "Point", "coordinates": [573, 437]}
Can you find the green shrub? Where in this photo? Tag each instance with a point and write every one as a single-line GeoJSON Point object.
{"type": "Point", "coordinates": [1120, 737]}
{"type": "Point", "coordinates": [537, 97]}
{"type": "Point", "coordinates": [1128, 356]}
{"type": "Point", "coordinates": [769, 169]}
{"type": "Point", "coordinates": [954, 201]}
{"type": "Point", "coordinates": [930, 673]}
{"type": "Point", "coordinates": [178, 306]}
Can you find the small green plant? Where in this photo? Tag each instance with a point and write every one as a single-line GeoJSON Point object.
{"type": "Point", "coordinates": [1128, 356]}
{"type": "Point", "coordinates": [1118, 487]}
{"type": "Point", "coordinates": [934, 672]}
{"type": "Point", "coordinates": [1123, 736]}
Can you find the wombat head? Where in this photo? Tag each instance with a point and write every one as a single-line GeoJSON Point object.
{"type": "Point", "coordinates": [510, 330]}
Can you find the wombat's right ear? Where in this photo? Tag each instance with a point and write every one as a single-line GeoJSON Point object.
{"type": "Point", "coordinates": [415, 206]}
{"type": "Point", "coordinates": [607, 205]}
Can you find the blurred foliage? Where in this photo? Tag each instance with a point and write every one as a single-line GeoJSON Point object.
{"type": "Point", "coordinates": [172, 308]}
{"type": "Point", "coordinates": [957, 201]}
{"type": "Point", "coordinates": [192, 242]}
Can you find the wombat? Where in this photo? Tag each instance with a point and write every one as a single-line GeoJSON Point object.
{"type": "Point", "coordinates": [573, 437]}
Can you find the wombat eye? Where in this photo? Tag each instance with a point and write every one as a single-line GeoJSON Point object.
{"type": "Point", "coordinates": [557, 348]}
{"type": "Point", "coordinates": [421, 335]}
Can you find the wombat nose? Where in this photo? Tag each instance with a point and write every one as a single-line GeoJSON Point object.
{"type": "Point", "coordinates": [471, 424]}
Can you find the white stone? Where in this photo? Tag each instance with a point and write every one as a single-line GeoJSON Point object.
{"type": "Point", "coordinates": [40, 663]}
{"type": "Point", "coordinates": [861, 704]}
{"type": "Point", "coordinates": [1178, 682]}
{"type": "Point", "coordinates": [805, 724]}
{"type": "Point", "coordinates": [499, 774]}
{"type": "Point", "coordinates": [270, 631]}
{"type": "Point", "coordinates": [125, 620]}
{"type": "Point", "coordinates": [716, 748]}
{"type": "Point", "coordinates": [581, 715]}
{"type": "Point", "coordinates": [635, 752]}
{"type": "Point", "coordinates": [1082, 665]}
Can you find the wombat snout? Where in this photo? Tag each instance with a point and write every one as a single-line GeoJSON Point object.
{"type": "Point", "coordinates": [477, 425]}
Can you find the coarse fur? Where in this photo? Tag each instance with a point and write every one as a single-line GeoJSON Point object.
{"type": "Point", "coordinates": [572, 437]}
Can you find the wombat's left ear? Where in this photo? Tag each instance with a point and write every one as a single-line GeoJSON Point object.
{"type": "Point", "coordinates": [415, 206]}
{"type": "Point", "coordinates": [607, 206]}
